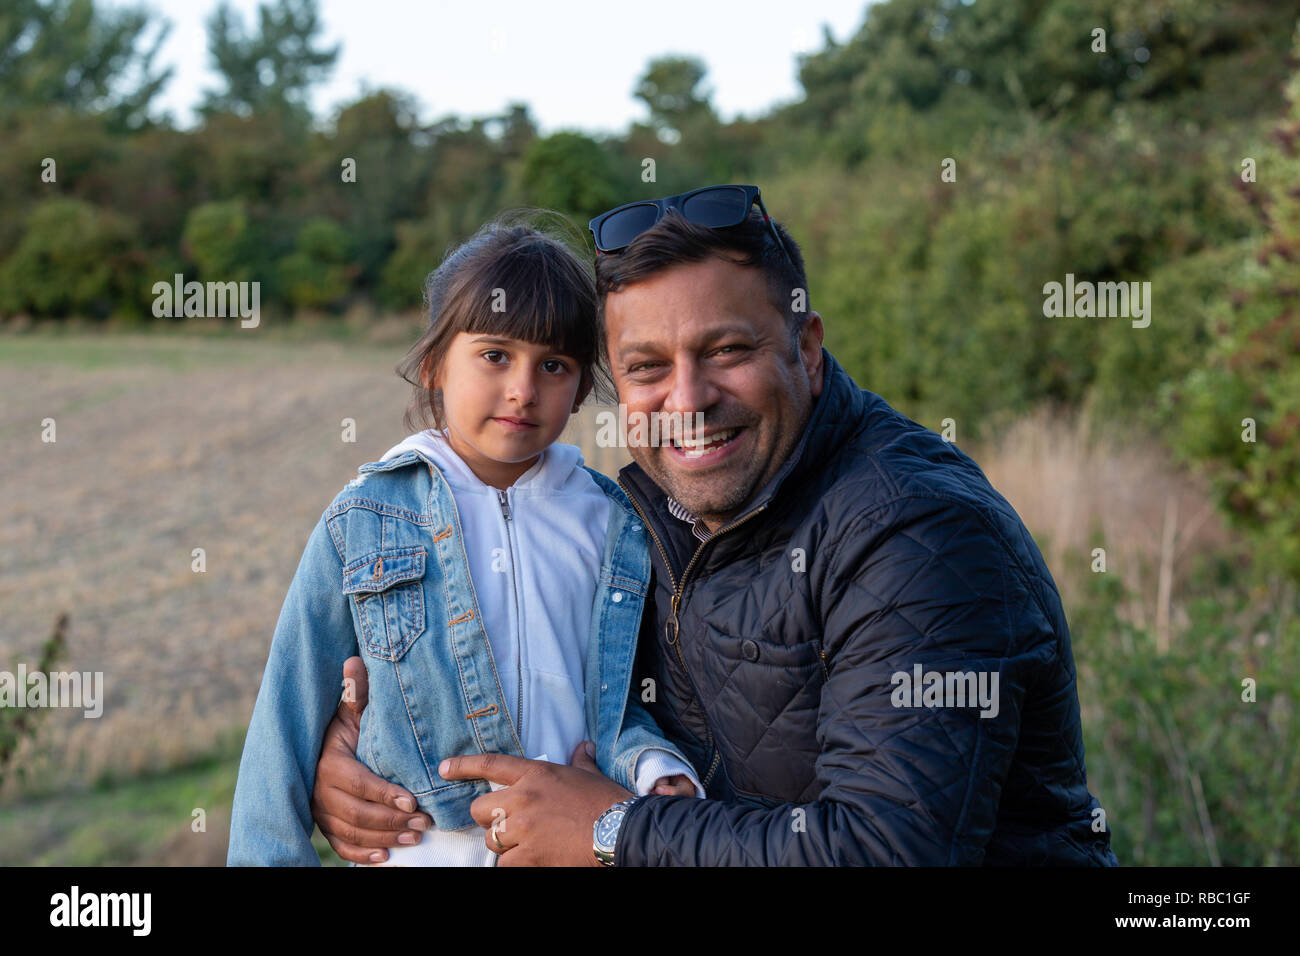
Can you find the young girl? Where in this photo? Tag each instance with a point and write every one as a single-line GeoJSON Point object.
{"type": "Point", "coordinates": [491, 582]}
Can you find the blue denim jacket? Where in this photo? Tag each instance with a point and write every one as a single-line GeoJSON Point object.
{"type": "Point", "coordinates": [385, 570]}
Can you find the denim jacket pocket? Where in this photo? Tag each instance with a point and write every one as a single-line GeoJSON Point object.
{"type": "Point", "coordinates": [388, 592]}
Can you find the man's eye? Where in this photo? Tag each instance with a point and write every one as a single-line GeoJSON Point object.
{"type": "Point", "coordinates": [643, 367]}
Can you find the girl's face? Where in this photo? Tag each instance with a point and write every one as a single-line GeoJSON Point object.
{"type": "Point", "coordinates": [504, 400]}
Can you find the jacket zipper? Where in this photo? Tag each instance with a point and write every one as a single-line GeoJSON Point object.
{"type": "Point", "coordinates": [504, 501]}
{"type": "Point", "coordinates": [672, 628]}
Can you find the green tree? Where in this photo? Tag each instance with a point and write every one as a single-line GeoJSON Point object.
{"type": "Point", "coordinates": [570, 172]}
{"type": "Point", "coordinates": [386, 173]}
{"type": "Point", "coordinates": [671, 90]}
{"type": "Point", "coordinates": [516, 130]}
{"type": "Point", "coordinates": [316, 273]}
{"type": "Point", "coordinates": [70, 54]}
{"type": "Point", "coordinates": [1004, 62]}
{"type": "Point", "coordinates": [272, 69]}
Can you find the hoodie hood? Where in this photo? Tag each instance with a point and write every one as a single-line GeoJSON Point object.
{"type": "Point", "coordinates": [554, 468]}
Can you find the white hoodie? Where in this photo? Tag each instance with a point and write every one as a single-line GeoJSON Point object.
{"type": "Point", "coordinates": [534, 554]}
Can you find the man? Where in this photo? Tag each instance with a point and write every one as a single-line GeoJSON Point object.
{"type": "Point", "coordinates": [853, 636]}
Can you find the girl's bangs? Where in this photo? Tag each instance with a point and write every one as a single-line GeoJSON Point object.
{"type": "Point", "coordinates": [533, 305]}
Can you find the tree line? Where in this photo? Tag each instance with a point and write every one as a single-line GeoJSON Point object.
{"type": "Point", "coordinates": [942, 166]}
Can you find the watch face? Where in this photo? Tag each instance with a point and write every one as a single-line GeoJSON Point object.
{"type": "Point", "coordinates": [608, 829]}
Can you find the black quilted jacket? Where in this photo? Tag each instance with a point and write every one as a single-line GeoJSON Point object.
{"type": "Point", "coordinates": [775, 646]}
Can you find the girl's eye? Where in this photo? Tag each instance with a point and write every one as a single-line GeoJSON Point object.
{"type": "Point", "coordinates": [492, 355]}
{"type": "Point", "coordinates": [554, 366]}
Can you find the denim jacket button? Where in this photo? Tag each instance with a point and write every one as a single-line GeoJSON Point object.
{"type": "Point", "coordinates": [750, 650]}
{"type": "Point", "coordinates": [618, 596]}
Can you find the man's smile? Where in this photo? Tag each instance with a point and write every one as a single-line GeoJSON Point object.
{"type": "Point", "coordinates": [708, 449]}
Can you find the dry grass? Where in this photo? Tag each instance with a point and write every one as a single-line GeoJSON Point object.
{"type": "Point", "coordinates": [1078, 488]}
{"type": "Point", "coordinates": [232, 447]}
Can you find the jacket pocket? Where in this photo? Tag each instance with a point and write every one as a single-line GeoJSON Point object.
{"type": "Point", "coordinates": [796, 656]}
{"type": "Point", "coordinates": [388, 591]}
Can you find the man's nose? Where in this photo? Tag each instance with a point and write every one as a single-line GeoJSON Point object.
{"type": "Point", "coordinates": [690, 390]}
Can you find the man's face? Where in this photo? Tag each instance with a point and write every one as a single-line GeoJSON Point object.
{"type": "Point", "coordinates": [703, 337]}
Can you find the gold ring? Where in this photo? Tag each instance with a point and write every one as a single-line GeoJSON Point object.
{"type": "Point", "coordinates": [495, 839]}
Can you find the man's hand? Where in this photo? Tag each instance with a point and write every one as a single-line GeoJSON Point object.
{"type": "Point", "coordinates": [546, 814]}
{"type": "Point", "coordinates": [358, 812]}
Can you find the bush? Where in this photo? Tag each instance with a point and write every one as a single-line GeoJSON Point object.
{"type": "Point", "coordinates": [73, 258]}
{"type": "Point", "coordinates": [218, 240]}
{"type": "Point", "coordinates": [1188, 772]}
{"type": "Point", "coordinates": [316, 273]}
{"type": "Point", "coordinates": [1240, 414]}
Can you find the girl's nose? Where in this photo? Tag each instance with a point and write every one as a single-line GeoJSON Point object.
{"type": "Point", "coordinates": [522, 387]}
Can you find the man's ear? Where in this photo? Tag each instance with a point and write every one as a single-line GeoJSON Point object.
{"type": "Point", "coordinates": [810, 352]}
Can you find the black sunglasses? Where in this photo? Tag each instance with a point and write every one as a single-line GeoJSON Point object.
{"type": "Point", "coordinates": [716, 207]}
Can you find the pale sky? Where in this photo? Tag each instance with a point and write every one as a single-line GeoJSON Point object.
{"type": "Point", "coordinates": [574, 62]}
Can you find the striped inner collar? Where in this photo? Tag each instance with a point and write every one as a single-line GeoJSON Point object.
{"type": "Point", "coordinates": [681, 514]}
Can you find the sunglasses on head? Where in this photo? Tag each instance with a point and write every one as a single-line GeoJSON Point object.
{"type": "Point", "coordinates": [716, 207]}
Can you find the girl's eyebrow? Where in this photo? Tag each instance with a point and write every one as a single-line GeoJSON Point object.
{"type": "Point", "coordinates": [494, 340]}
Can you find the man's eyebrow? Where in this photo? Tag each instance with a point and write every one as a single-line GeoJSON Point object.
{"type": "Point", "coordinates": [706, 336]}
{"type": "Point", "coordinates": [638, 347]}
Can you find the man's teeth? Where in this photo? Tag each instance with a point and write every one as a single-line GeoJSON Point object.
{"type": "Point", "coordinates": [695, 447]}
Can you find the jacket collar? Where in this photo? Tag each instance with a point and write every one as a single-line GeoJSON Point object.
{"type": "Point", "coordinates": [558, 461]}
{"type": "Point", "coordinates": [553, 469]}
{"type": "Point", "coordinates": [408, 457]}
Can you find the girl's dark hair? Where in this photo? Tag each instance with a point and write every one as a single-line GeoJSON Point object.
{"type": "Point", "coordinates": [520, 276]}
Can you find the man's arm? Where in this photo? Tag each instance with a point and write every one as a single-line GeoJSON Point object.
{"type": "Point", "coordinates": [899, 784]}
{"type": "Point", "coordinates": [357, 811]}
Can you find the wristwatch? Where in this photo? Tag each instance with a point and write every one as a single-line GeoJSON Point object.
{"type": "Point", "coordinates": [605, 831]}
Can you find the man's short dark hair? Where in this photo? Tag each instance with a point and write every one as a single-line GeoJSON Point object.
{"type": "Point", "coordinates": [674, 239]}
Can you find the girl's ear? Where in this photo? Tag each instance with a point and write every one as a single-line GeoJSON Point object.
{"type": "Point", "coordinates": [584, 389]}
